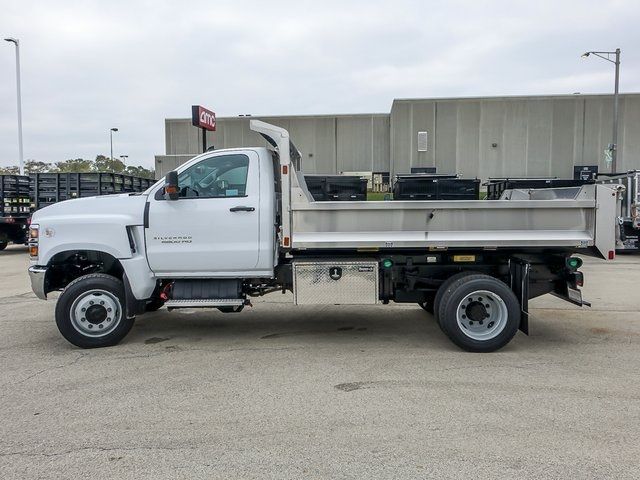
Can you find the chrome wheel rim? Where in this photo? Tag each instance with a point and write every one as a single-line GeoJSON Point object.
{"type": "Point", "coordinates": [96, 313]}
{"type": "Point", "coordinates": [482, 315]}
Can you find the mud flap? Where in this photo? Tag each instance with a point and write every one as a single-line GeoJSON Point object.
{"type": "Point", "coordinates": [133, 306]}
{"type": "Point", "coordinates": [519, 273]}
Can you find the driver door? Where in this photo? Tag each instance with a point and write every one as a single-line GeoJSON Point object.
{"type": "Point", "coordinates": [213, 227]}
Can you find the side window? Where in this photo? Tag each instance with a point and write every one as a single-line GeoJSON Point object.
{"type": "Point", "coordinates": [216, 177]}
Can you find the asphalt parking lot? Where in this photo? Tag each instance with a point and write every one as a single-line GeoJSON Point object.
{"type": "Point", "coordinates": [279, 391]}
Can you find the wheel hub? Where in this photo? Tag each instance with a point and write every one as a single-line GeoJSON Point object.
{"type": "Point", "coordinates": [96, 313]}
{"type": "Point", "coordinates": [482, 315]}
{"type": "Point", "coordinates": [476, 311]}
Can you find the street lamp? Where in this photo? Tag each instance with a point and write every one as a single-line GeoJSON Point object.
{"type": "Point", "coordinates": [124, 158]}
{"type": "Point", "coordinates": [114, 129]}
{"type": "Point", "coordinates": [16, 42]}
{"type": "Point", "coordinates": [607, 56]}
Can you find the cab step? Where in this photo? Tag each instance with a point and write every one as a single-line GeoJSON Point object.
{"type": "Point", "coordinates": [205, 303]}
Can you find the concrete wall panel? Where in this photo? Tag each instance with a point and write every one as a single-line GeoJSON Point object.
{"type": "Point", "coordinates": [467, 141]}
{"type": "Point", "coordinates": [446, 133]}
{"type": "Point", "coordinates": [538, 140]}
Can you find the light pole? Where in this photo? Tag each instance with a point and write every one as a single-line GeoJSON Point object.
{"type": "Point", "coordinates": [124, 159]}
{"type": "Point", "coordinates": [607, 56]}
{"type": "Point", "coordinates": [16, 42]}
{"type": "Point", "coordinates": [114, 129]}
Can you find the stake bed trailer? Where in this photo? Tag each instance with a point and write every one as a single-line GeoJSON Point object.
{"type": "Point", "coordinates": [15, 209]}
{"type": "Point", "coordinates": [23, 194]}
{"type": "Point", "coordinates": [237, 223]}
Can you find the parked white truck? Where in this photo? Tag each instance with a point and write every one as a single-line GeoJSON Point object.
{"type": "Point", "coordinates": [238, 223]}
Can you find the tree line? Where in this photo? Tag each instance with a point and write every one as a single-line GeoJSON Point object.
{"type": "Point", "coordinates": [81, 165]}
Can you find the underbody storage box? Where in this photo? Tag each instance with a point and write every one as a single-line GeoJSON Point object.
{"type": "Point", "coordinates": [339, 282]}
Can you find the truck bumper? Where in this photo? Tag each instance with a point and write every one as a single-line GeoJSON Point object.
{"type": "Point", "coordinates": [38, 275]}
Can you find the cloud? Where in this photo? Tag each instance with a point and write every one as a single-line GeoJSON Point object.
{"type": "Point", "coordinates": [92, 65]}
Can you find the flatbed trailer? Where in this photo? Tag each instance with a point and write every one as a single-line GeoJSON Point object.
{"type": "Point", "coordinates": [239, 223]}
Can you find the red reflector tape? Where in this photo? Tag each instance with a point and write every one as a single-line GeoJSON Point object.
{"type": "Point", "coordinates": [285, 169]}
{"type": "Point", "coordinates": [612, 254]}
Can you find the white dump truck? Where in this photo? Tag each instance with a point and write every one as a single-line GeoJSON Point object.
{"type": "Point", "coordinates": [239, 223]}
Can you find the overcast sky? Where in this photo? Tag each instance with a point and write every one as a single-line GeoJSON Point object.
{"type": "Point", "coordinates": [88, 66]}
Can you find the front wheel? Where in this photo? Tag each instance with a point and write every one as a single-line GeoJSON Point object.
{"type": "Point", "coordinates": [3, 245]}
{"type": "Point", "coordinates": [479, 313]}
{"type": "Point", "coordinates": [90, 312]}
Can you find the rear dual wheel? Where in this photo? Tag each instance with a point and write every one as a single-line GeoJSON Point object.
{"type": "Point", "coordinates": [479, 313]}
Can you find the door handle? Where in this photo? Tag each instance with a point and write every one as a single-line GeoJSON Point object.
{"type": "Point", "coordinates": [242, 209]}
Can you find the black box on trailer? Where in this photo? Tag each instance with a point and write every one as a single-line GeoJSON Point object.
{"type": "Point", "coordinates": [331, 188]}
{"type": "Point", "coordinates": [435, 187]}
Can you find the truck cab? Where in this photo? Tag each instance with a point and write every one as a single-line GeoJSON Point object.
{"type": "Point", "coordinates": [222, 223]}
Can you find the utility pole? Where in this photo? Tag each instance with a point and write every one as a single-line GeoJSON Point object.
{"type": "Point", "coordinates": [16, 42]}
{"type": "Point", "coordinates": [613, 147]}
{"type": "Point", "coordinates": [114, 129]}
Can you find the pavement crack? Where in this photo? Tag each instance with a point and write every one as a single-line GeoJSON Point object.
{"type": "Point", "coordinates": [45, 370]}
{"type": "Point", "coordinates": [70, 451]}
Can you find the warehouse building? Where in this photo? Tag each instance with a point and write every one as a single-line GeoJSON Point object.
{"type": "Point", "coordinates": [475, 137]}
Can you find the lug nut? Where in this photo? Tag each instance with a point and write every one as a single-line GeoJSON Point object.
{"type": "Point", "coordinates": [83, 319]}
{"type": "Point", "coordinates": [102, 302]}
{"type": "Point", "coordinates": [100, 326]}
{"type": "Point", "coordinates": [108, 319]}
{"type": "Point", "coordinates": [470, 322]}
{"type": "Point", "coordinates": [487, 305]}
{"type": "Point", "coordinates": [108, 309]}
{"type": "Point", "coordinates": [84, 309]}
{"type": "Point", "coordinates": [91, 302]}
{"type": "Point", "coordinates": [90, 326]}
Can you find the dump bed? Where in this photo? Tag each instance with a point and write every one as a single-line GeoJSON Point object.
{"type": "Point", "coordinates": [529, 220]}
{"type": "Point", "coordinates": [565, 218]}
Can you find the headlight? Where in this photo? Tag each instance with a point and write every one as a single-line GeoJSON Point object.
{"type": "Point", "coordinates": [34, 232]}
{"type": "Point", "coordinates": [34, 236]}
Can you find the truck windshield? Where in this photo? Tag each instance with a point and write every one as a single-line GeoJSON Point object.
{"type": "Point", "coordinates": [215, 177]}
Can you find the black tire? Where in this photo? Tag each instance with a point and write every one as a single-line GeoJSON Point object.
{"type": "Point", "coordinates": [3, 245]}
{"type": "Point", "coordinates": [155, 304]}
{"type": "Point", "coordinates": [464, 287]}
{"type": "Point", "coordinates": [443, 287]}
{"type": "Point", "coordinates": [84, 289]}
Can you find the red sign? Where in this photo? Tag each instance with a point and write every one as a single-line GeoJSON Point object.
{"type": "Point", "coordinates": [203, 118]}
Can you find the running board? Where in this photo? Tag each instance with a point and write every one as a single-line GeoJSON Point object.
{"type": "Point", "coordinates": [205, 303]}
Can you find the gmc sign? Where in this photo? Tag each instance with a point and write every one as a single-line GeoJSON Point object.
{"type": "Point", "coordinates": [203, 118]}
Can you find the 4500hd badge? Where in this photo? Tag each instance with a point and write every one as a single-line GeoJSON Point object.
{"type": "Point", "coordinates": [173, 239]}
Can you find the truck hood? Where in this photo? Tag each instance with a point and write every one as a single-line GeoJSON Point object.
{"type": "Point", "coordinates": [123, 208]}
{"type": "Point", "coordinates": [93, 223]}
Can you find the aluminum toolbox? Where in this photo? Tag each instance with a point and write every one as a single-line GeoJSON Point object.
{"type": "Point", "coordinates": [339, 282]}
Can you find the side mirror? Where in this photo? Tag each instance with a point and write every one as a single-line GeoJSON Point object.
{"type": "Point", "coordinates": [171, 190]}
